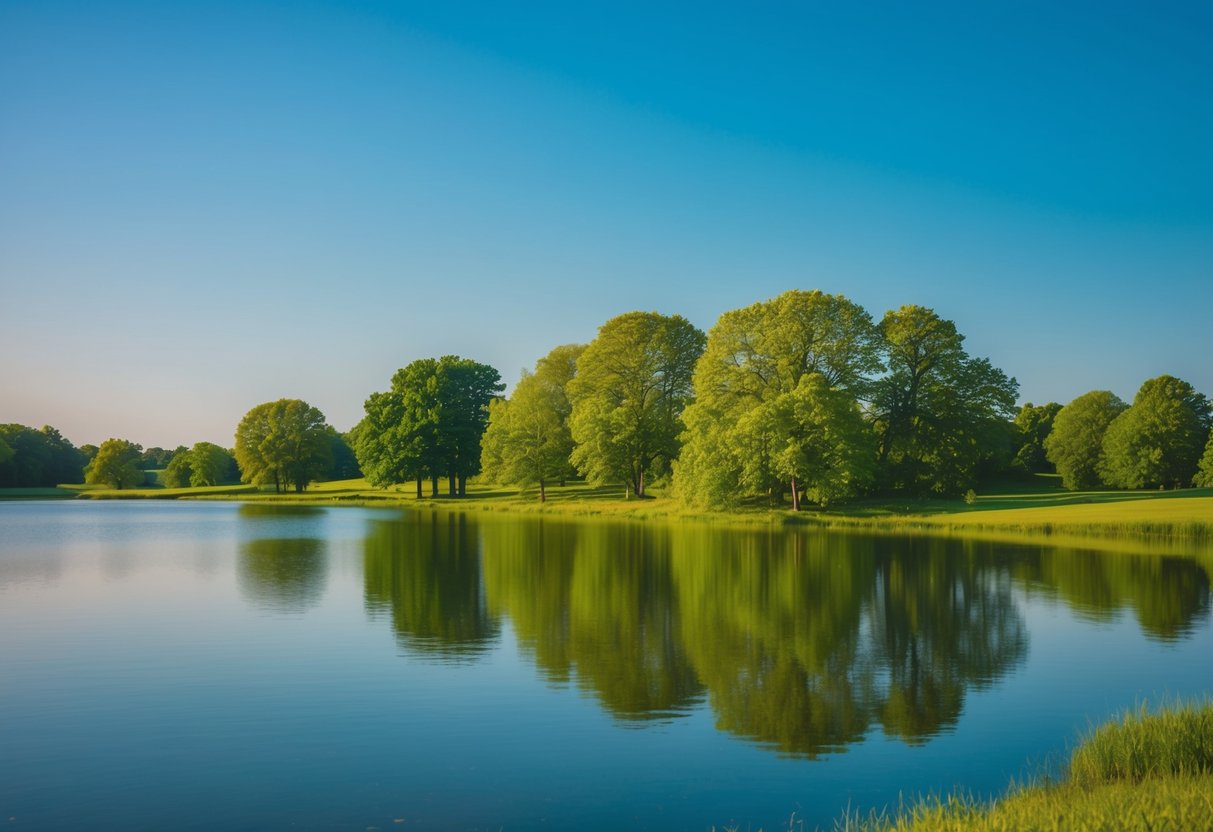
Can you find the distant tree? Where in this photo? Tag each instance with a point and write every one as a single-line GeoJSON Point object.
{"type": "Point", "coordinates": [939, 413]}
{"type": "Point", "coordinates": [209, 464]}
{"type": "Point", "coordinates": [627, 397]}
{"type": "Point", "coordinates": [1157, 441]}
{"type": "Point", "coordinates": [155, 459]}
{"type": "Point", "coordinates": [1032, 425]}
{"type": "Point", "coordinates": [285, 442]}
{"type": "Point", "coordinates": [88, 452]}
{"type": "Point", "coordinates": [751, 369]}
{"type": "Point", "coordinates": [465, 389]}
{"type": "Point", "coordinates": [428, 425]}
{"type": "Point", "coordinates": [345, 464]}
{"type": "Point", "coordinates": [1075, 444]}
{"type": "Point", "coordinates": [178, 471]}
{"type": "Point", "coordinates": [6, 451]}
{"type": "Point", "coordinates": [116, 465]}
{"type": "Point", "coordinates": [40, 458]}
{"type": "Point", "coordinates": [1204, 471]}
{"type": "Point", "coordinates": [528, 441]}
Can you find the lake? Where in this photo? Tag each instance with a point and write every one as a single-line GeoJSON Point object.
{"type": "Point", "coordinates": [240, 666]}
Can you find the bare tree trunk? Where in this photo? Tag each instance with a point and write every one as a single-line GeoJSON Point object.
{"type": "Point", "coordinates": [463, 486]}
{"type": "Point", "coordinates": [433, 485]}
{"type": "Point", "coordinates": [419, 487]}
{"type": "Point", "coordinates": [450, 483]}
{"type": "Point", "coordinates": [542, 496]}
{"type": "Point", "coordinates": [795, 495]}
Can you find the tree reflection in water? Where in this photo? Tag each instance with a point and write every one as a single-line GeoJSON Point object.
{"type": "Point", "coordinates": [802, 641]}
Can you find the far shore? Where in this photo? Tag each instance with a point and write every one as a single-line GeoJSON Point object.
{"type": "Point", "coordinates": [1036, 510]}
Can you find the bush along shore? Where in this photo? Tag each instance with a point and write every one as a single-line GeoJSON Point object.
{"type": "Point", "coordinates": [1146, 771]}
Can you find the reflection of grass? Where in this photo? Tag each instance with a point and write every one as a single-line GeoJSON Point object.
{"type": "Point", "coordinates": [1149, 771]}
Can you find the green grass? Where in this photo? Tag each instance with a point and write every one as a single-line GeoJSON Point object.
{"type": "Point", "coordinates": [1010, 510]}
{"type": "Point", "coordinates": [1148, 771]}
{"type": "Point", "coordinates": [35, 493]}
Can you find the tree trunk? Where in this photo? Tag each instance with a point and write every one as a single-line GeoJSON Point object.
{"type": "Point", "coordinates": [418, 487]}
{"type": "Point", "coordinates": [795, 495]}
{"type": "Point", "coordinates": [433, 485]}
{"type": "Point", "coordinates": [450, 483]}
{"type": "Point", "coordinates": [640, 490]}
{"type": "Point", "coordinates": [542, 496]}
{"type": "Point", "coordinates": [463, 486]}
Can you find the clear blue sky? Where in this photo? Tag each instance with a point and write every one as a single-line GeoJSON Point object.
{"type": "Point", "coordinates": [206, 206]}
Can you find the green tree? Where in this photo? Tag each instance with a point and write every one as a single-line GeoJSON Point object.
{"type": "Point", "coordinates": [528, 441]}
{"type": "Point", "coordinates": [1033, 424]}
{"type": "Point", "coordinates": [6, 451]}
{"type": "Point", "coordinates": [821, 442]}
{"type": "Point", "coordinates": [1075, 444]}
{"type": "Point", "coordinates": [429, 424]}
{"type": "Point", "coordinates": [116, 465]}
{"type": "Point", "coordinates": [632, 383]}
{"type": "Point", "coordinates": [285, 442]}
{"type": "Point", "coordinates": [1204, 471]}
{"type": "Point", "coordinates": [939, 413]}
{"type": "Point", "coordinates": [209, 464]}
{"type": "Point", "coordinates": [1157, 441]}
{"type": "Point", "coordinates": [178, 472]}
{"type": "Point", "coordinates": [754, 357]}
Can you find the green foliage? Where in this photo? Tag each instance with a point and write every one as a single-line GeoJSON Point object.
{"type": "Point", "coordinates": [528, 441]}
{"type": "Point", "coordinates": [1033, 424]}
{"type": "Point", "coordinates": [1075, 445]}
{"type": "Point", "coordinates": [429, 424]}
{"type": "Point", "coordinates": [6, 451]}
{"type": "Point", "coordinates": [1204, 471]}
{"type": "Point", "coordinates": [40, 458]}
{"type": "Point", "coordinates": [179, 470]}
{"type": "Point", "coordinates": [153, 459]}
{"type": "Point", "coordinates": [940, 414]}
{"type": "Point", "coordinates": [345, 463]}
{"type": "Point", "coordinates": [632, 383]}
{"type": "Point", "coordinates": [116, 465]}
{"type": "Point", "coordinates": [1158, 440]}
{"type": "Point", "coordinates": [209, 465]}
{"type": "Point", "coordinates": [285, 442]}
{"type": "Point", "coordinates": [742, 430]}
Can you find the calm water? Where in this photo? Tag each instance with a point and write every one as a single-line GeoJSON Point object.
{"type": "Point", "coordinates": [208, 666]}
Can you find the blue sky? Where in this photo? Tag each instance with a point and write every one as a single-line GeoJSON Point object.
{"type": "Point", "coordinates": [206, 206]}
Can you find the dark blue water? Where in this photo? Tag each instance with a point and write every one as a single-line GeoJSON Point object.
{"type": "Point", "coordinates": [211, 665]}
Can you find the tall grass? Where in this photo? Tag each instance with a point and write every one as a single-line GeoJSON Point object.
{"type": "Point", "coordinates": [1145, 771]}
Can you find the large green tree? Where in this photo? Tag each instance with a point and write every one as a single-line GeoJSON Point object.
{"type": "Point", "coordinates": [745, 384]}
{"type": "Point", "coordinates": [285, 442]}
{"type": "Point", "coordinates": [1157, 441]}
{"type": "Point", "coordinates": [528, 441]}
{"type": "Point", "coordinates": [428, 425]}
{"type": "Point", "coordinates": [1033, 424]}
{"type": "Point", "coordinates": [116, 465]}
{"type": "Point", "coordinates": [939, 413]}
{"type": "Point", "coordinates": [209, 464]}
{"type": "Point", "coordinates": [632, 383]}
{"type": "Point", "coordinates": [1075, 444]}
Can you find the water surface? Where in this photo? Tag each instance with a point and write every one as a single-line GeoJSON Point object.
{"type": "Point", "coordinates": [217, 665]}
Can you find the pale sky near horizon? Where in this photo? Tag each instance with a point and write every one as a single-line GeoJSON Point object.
{"type": "Point", "coordinates": [204, 206]}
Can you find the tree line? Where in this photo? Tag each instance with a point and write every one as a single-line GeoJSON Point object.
{"type": "Point", "coordinates": [803, 397]}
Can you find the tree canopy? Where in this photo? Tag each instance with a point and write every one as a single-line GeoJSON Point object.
{"type": "Point", "coordinates": [752, 401]}
{"type": "Point", "coordinates": [429, 424]}
{"type": "Point", "coordinates": [1033, 424]}
{"type": "Point", "coordinates": [632, 383]}
{"type": "Point", "coordinates": [1159, 439]}
{"type": "Point", "coordinates": [1075, 445]}
{"type": "Point", "coordinates": [38, 458]}
{"type": "Point", "coordinates": [285, 442]}
{"type": "Point", "coordinates": [116, 465]}
{"type": "Point", "coordinates": [528, 440]}
{"type": "Point", "coordinates": [939, 413]}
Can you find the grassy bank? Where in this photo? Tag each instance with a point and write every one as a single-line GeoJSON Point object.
{"type": "Point", "coordinates": [1034, 509]}
{"type": "Point", "coordinates": [1148, 771]}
